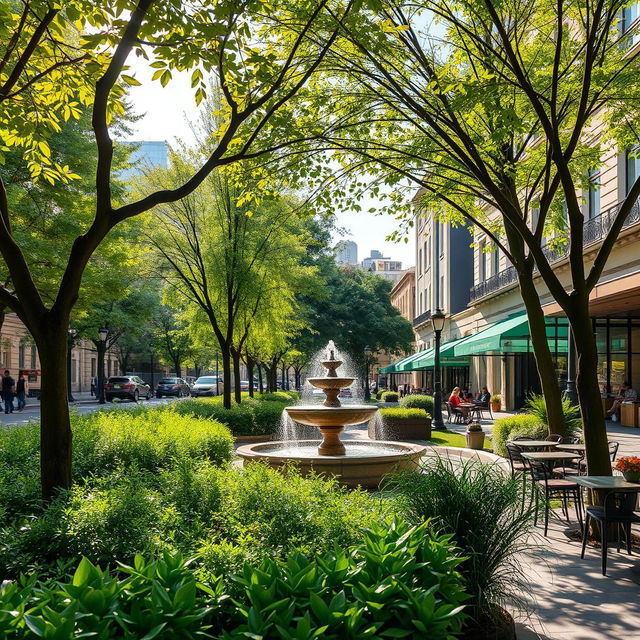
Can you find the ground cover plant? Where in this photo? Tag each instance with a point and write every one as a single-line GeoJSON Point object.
{"type": "Point", "coordinates": [490, 516]}
{"type": "Point", "coordinates": [399, 581]}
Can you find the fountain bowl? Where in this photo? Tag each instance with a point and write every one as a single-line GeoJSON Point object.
{"type": "Point", "coordinates": [330, 383]}
{"type": "Point", "coordinates": [317, 415]}
{"type": "Point", "coordinates": [363, 464]}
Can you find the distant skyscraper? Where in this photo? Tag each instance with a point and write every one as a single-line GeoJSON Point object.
{"type": "Point", "coordinates": [346, 252]}
{"type": "Point", "coordinates": [146, 155]}
{"type": "Point", "coordinates": [367, 263]}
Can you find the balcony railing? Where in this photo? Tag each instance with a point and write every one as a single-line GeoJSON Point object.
{"type": "Point", "coordinates": [595, 230]}
{"type": "Point", "coordinates": [422, 318]}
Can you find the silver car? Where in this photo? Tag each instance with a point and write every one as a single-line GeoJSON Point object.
{"type": "Point", "coordinates": [206, 386]}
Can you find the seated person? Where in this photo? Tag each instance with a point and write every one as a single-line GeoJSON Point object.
{"type": "Point", "coordinates": [483, 397]}
{"type": "Point", "coordinates": [454, 398]}
{"type": "Point", "coordinates": [626, 394]}
{"type": "Point", "coordinates": [468, 396]}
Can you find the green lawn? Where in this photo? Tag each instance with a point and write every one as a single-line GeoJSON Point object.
{"type": "Point", "coordinates": [448, 439]}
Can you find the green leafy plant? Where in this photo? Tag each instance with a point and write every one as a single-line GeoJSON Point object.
{"type": "Point", "coordinates": [490, 516]}
{"type": "Point", "coordinates": [380, 393]}
{"type": "Point", "coordinates": [400, 413]}
{"type": "Point", "coordinates": [515, 426]}
{"type": "Point", "coordinates": [536, 406]}
{"type": "Point", "coordinates": [495, 397]}
{"type": "Point", "coordinates": [418, 401]}
{"type": "Point", "coordinates": [390, 396]}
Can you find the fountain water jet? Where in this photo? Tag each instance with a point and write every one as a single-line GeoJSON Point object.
{"type": "Point", "coordinates": [363, 463]}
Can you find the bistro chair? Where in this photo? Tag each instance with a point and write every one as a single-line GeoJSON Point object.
{"type": "Point", "coordinates": [618, 508]}
{"type": "Point", "coordinates": [454, 414]}
{"type": "Point", "coordinates": [516, 461]}
{"type": "Point", "coordinates": [552, 488]}
{"type": "Point", "coordinates": [484, 406]}
{"type": "Point", "coordinates": [554, 437]}
{"type": "Point", "coordinates": [613, 450]}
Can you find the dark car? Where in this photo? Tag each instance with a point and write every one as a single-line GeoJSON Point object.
{"type": "Point", "coordinates": [206, 386]}
{"type": "Point", "coordinates": [178, 387]}
{"type": "Point", "coordinates": [126, 388]}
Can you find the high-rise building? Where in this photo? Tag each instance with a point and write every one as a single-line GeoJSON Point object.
{"type": "Point", "coordinates": [346, 252]}
{"type": "Point", "coordinates": [385, 267]}
{"type": "Point", "coordinates": [375, 255]}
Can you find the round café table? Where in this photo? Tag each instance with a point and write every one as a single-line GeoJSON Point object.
{"type": "Point", "coordinates": [550, 458]}
{"type": "Point", "coordinates": [577, 448]}
{"type": "Point", "coordinates": [533, 444]}
{"type": "Point", "coordinates": [469, 409]}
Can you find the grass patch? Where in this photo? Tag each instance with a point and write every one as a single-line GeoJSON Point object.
{"type": "Point", "coordinates": [448, 439]}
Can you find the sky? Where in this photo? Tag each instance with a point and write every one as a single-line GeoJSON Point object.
{"type": "Point", "coordinates": [166, 114]}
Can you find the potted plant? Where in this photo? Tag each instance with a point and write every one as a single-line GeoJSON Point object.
{"type": "Point", "coordinates": [401, 424]}
{"type": "Point", "coordinates": [474, 436]}
{"type": "Point", "coordinates": [630, 467]}
{"type": "Point", "coordinates": [496, 402]}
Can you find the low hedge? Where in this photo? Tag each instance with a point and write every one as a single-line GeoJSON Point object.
{"type": "Point", "coordinates": [418, 401]}
{"type": "Point", "coordinates": [402, 413]}
{"type": "Point", "coordinates": [280, 396]}
{"type": "Point", "coordinates": [251, 417]}
{"type": "Point", "coordinates": [400, 582]}
{"type": "Point", "coordinates": [516, 426]}
{"type": "Point", "coordinates": [390, 396]}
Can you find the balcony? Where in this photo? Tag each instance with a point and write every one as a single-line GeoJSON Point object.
{"type": "Point", "coordinates": [595, 231]}
{"type": "Point", "coordinates": [422, 318]}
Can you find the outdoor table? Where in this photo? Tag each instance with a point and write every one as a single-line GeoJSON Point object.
{"type": "Point", "coordinates": [549, 458]}
{"type": "Point", "coordinates": [469, 408]}
{"type": "Point", "coordinates": [618, 483]}
{"type": "Point", "coordinates": [533, 444]}
{"type": "Point", "coordinates": [578, 448]}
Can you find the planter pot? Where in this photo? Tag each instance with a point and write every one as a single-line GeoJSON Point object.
{"type": "Point", "coordinates": [631, 476]}
{"type": "Point", "coordinates": [496, 406]}
{"type": "Point", "coordinates": [400, 429]}
{"type": "Point", "coordinates": [499, 627]}
{"type": "Point", "coordinates": [475, 439]}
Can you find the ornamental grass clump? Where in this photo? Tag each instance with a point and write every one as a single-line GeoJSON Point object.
{"type": "Point", "coordinates": [489, 515]}
{"type": "Point", "coordinates": [536, 406]}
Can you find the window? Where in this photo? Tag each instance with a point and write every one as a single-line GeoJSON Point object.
{"type": "Point", "coordinates": [428, 302]}
{"type": "Point", "coordinates": [632, 167]}
{"type": "Point", "coordinates": [629, 17]}
{"type": "Point", "coordinates": [34, 356]}
{"type": "Point", "coordinates": [419, 260]}
{"type": "Point", "coordinates": [482, 261]}
{"type": "Point", "coordinates": [593, 201]}
{"type": "Point", "coordinates": [441, 293]}
{"type": "Point", "coordinates": [496, 259]}
{"type": "Point", "coordinates": [420, 309]}
{"type": "Point", "coordinates": [440, 237]}
{"type": "Point", "coordinates": [425, 255]}
{"type": "Point", "coordinates": [94, 367]}
{"type": "Point", "coordinates": [21, 357]}
{"type": "Point", "coordinates": [74, 370]}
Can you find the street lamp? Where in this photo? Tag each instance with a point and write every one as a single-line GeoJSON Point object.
{"type": "Point", "coordinates": [437, 322]}
{"type": "Point", "coordinates": [367, 356]}
{"type": "Point", "coordinates": [102, 348]}
{"type": "Point", "coordinates": [71, 337]}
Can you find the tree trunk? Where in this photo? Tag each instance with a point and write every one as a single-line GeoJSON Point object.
{"type": "Point", "coordinates": [55, 425]}
{"type": "Point", "coordinates": [177, 365]}
{"type": "Point", "coordinates": [594, 427]}
{"type": "Point", "coordinates": [236, 376]}
{"type": "Point", "coordinates": [260, 384]}
{"type": "Point", "coordinates": [283, 382]}
{"type": "Point", "coordinates": [544, 360]}
{"type": "Point", "coordinates": [250, 363]}
{"type": "Point", "coordinates": [226, 376]}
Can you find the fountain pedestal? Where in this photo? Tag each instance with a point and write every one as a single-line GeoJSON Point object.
{"type": "Point", "coordinates": [331, 444]}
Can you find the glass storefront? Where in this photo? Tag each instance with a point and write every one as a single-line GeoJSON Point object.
{"type": "Point", "coordinates": [618, 342]}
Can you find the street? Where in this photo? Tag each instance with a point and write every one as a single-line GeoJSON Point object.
{"type": "Point", "coordinates": [84, 404]}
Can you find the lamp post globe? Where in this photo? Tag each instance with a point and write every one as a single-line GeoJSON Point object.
{"type": "Point", "coordinates": [367, 356]}
{"type": "Point", "coordinates": [437, 322]}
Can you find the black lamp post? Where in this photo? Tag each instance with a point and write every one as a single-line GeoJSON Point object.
{"type": "Point", "coordinates": [367, 357]}
{"type": "Point", "coordinates": [102, 348]}
{"type": "Point", "coordinates": [437, 321]}
{"type": "Point", "coordinates": [71, 337]}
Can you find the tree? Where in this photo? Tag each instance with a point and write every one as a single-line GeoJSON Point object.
{"type": "Point", "coordinates": [172, 340]}
{"type": "Point", "coordinates": [491, 108]}
{"type": "Point", "coordinates": [53, 60]}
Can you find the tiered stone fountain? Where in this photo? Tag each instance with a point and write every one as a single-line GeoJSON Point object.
{"type": "Point", "coordinates": [361, 463]}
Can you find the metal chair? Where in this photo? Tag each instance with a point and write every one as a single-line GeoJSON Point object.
{"type": "Point", "coordinates": [618, 508]}
{"type": "Point", "coordinates": [554, 437]}
{"type": "Point", "coordinates": [516, 461]}
{"type": "Point", "coordinates": [454, 413]}
{"type": "Point", "coordinates": [613, 450]}
{"type": "Point", "coordinates": [554, 488]}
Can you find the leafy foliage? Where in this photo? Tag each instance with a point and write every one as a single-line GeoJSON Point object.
{"type": "Point", "coordinates": [390, 396]}
{"type": "Point", "coordinates": [489, 515]}
{"type": "Point", "coordinates": [418, 401]}
{"type": "Point", "coordinates": [537, 407]}
{"type": "Point", "coordinates": [516, 426]}
{"type": "Point", "coordinates": [404, 413]}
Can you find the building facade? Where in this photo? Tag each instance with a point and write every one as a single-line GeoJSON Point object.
{"type": "Point", "coordinates": [346, 253]}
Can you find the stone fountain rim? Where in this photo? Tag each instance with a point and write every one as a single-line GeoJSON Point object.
{"type": "Point", "coordinates": [403, 450]}
{"type": "Point", "coordinates": [349, 408]}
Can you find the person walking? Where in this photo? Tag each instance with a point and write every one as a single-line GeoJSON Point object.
{"type": "Point", "coordinates": [21, 392]}
{"type": "Point", "coordinates": [8, 388]}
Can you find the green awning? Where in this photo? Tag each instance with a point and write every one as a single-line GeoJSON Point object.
{"type": "Point", "coordinates": [393, 368]}
{"type": "Point", "coordinates": [407, 363]}
{"type": "Point", "coordinates": [448, 358]}
{"type": "Point", "coordinates": [512, 336]}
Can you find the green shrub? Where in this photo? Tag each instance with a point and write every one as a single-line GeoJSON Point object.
{"type": "Point", "coordinates": [403, 414]}
{"type": "Point", "coordinates": [515, 426]}
{"type": "Point", "coordinates": [400, 582]}
{"type": "Point", "coordinates": [490, 515]}
{"type": "Point", "coordinates": [418, 401]}
{"type": "Point", "coordinates": [380, 393]}
{"type": "Point", "coordinates": [536, 406]}
{"type": "Point", "coordinates": [281, 396]}
{"type": "Point", "coordinates": [251, 417]}
{"type": "Point", "coordinates": [390, 396]}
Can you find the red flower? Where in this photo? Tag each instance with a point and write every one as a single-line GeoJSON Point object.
{"type": "Point", "coordinates": [628, 463]}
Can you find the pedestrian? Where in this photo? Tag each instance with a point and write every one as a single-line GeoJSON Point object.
{"type": "Point", "coordinates": [21, 391]}
{"type": "Point", "coordinates": [94, 386]}
{"type": "Point", "coordinates": [8, 388]}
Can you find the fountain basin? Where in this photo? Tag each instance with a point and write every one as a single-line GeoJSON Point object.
{"type": "Point", "coordinates": [330, 383]}
{"type": "Point", "coordinates": [317, 415]}
{"type": "Point", "coordinates": [364, 463]}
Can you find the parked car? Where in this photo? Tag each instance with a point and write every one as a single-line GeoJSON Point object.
{"type": "Point", "coordinates": [172, 387]}
{"type": "Point", "coordinates": [126, 388]}
{"type": "Point", "coordinates": [244, 385]}
{"type": "Point", "coordinates": [206, 386]}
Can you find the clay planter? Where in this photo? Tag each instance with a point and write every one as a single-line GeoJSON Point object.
{"type": "Point", "coordinates": [399, 429]}
{"type": "Point", "coordinates": [496, 406]}
{"type": "Point", "coordinates": [474, 436]}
